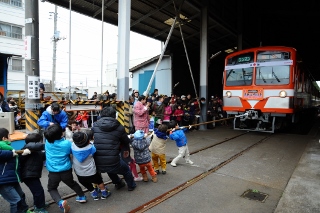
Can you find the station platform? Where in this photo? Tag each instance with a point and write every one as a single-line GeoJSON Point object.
{"type": "Point", "coordinates": [302, 193]}
{"type": "Point", "coordinates": [284, 167]}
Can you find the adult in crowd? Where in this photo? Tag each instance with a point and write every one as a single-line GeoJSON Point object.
{"type": "Point", "coordinates": [141, 115]}
{"type": "Point", "coordinates": [158, 107]}
{"type": "Point", "coordinates": [4, 106]}
{"type": "Point", "coordinates": [136, 97]}
{"type": "Point", "coordinates": [155, 93]}
{"type": "Point", "coordinates": [53, 115]}
{"type": "Point", "coordinates": [95, 96]}
{"type": "Point", "coordinates": [110, 137]}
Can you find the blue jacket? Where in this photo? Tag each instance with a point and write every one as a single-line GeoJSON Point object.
{"type": "Point", "coordinates": [179, 137]}
{"type": "Point", "coordinates": [47, 117]}
{"type": "Point", "coordinates": [5, 107]}
{"type": "Point", "coordinates": [82, 160]}
{"type": "Point", "coordinates": [9, 167]}
{"type": "Point", "coordinates": [58, 155]}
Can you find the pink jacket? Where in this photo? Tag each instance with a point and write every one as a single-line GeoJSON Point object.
{"type": "Point", "coordinates": [141, 115]}
{"type": "Point", "coordinates": [167, 113]}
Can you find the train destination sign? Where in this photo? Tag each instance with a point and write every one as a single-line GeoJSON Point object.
{"type": "Point", "coordinates": [252, 94]}
{"type": "Point", "coordinates": [244, 59]}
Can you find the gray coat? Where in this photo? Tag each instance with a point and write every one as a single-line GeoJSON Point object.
{"type": "Point", "coordinates": [141, 150]}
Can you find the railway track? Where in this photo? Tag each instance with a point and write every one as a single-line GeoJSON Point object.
{"type": "Point", "coordinates": [156, 201]}
{"type": "Point", "coordinates": [176, 190]}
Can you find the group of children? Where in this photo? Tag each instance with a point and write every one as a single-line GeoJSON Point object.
{"type": "Point", "coordinates": [57, 150]}
{"type": "Point", "coordinates": [155, 143]}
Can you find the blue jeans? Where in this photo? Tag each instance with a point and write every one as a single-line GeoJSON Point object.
{"type": "Point", "coordinates": [13, 193]}
{"type": "Point", "coordinates": [123, 169]}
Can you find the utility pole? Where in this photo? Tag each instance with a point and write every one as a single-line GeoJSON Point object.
{"type": "Point", "coordinates": [56, 37]}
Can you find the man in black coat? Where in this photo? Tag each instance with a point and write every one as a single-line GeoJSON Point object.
{"type": "Point", "coordinates": [109, 138]}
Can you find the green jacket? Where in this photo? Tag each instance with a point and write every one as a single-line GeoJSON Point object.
{"type": "Point", "coordinates": [5, 145]}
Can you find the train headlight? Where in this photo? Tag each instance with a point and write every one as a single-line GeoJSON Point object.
{"type": "Point", "coordinates": [228, 94]}
{"type": "Point", "coordinates": [282, 94]}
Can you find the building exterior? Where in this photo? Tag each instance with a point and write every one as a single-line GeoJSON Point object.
{"type": "Point", "coordinates": [142, 73]}
{"type": "Point", "coordinates": [12, 28]}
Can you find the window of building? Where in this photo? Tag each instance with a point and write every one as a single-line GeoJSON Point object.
{"type": "Point", "coordinates": [17, 3]}
{"type": "Point", "coordinates": [17, 65]}
{"type": "Point", "coordinates": [10, 31]}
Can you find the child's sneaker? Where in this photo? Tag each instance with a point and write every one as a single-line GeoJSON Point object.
{"type": "Point", "coordinates": [157, 171]}
{"type": "Point", "coordinates": [154, 179]}
{"type": "Point", "coordinates": [173, 164]}
{"type": "Point", "coordinates": [189, 162]}
{"type": "Point", "coordinates": [97, 190]}
{"type": "Point", "coordinates": [40, 210]}
{"type": "Point", "coordinates": [63, 205]}
{"type": "Point", "coordinates": [94, 195]}
{"type": "Point", "coordinates": [81, 199]}
{"type": "Point", "coordinates": [164, 172]}
{"type": "Point", "coordinates": [104, 194]}
{"type": "Point", "coordinates": [138, 178]}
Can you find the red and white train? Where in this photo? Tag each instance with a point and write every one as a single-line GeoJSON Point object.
{"type": "Point", "coordinates": [266, 87]}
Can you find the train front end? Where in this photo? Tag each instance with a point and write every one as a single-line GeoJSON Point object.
{"type": "Point", "coordinates": [258, 89]}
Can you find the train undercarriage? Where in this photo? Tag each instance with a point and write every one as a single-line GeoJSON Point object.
{"type": "Point", "coordinates": [254, 120]}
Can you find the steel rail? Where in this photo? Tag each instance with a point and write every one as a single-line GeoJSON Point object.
{"type": "Point", "coordinates": [156, 201]}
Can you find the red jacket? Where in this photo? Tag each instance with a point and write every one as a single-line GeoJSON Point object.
{"type": "Point", "coordinates": [178, 113]}
{"type": "Point", "coordinates": [85, 116]}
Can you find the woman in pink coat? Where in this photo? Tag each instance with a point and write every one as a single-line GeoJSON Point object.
{"type": "Point", "coordinates": [141, 115]}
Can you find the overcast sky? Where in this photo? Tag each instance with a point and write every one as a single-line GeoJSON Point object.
{"type": "Point", "coordinates": [86, 48]}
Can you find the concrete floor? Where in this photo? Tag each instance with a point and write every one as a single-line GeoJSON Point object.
{"type": "Point", "coordinates": [285, 167]}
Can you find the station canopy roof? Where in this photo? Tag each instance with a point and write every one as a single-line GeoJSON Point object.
{"type": "Point", "coordinates": [273, 22]}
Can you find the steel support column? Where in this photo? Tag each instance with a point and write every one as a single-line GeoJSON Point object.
{"type": "Point", "coordinates": [204, 63]}
{"type": "Point", "coordinates": [31, 62]}
{"type": "Point", "coordinates": [240, 24]}
{"type": "Point", "coordinates": [123, 50]}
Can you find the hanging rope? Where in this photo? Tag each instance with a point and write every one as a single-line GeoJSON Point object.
{"type": "Point", "coordinates": [187, 56]}
{"type": "Point", "coordinates": [185, 48]}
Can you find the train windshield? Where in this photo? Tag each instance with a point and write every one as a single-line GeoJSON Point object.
{"type": "Point", "coordinates": [239, 76]}
{"type": "Point", "coordinates": [273, 67]}
{"type": "Point", "coordinates": [238, 70]}
{"type": "Point", "coordinates": [272, 75]}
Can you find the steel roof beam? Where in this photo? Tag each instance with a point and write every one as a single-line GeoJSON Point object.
{"type": "Point", "coordinates": [182, 22]}
{"type": "Point", "coordinates": [151, 13]}
{"type": "Point", "coordinates": [105, 7]}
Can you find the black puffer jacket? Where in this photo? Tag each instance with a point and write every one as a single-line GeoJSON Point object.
{"type": "Point", "coordinates": [32, 164]}
{"type": "Point", "coordinates": [109, 138]}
